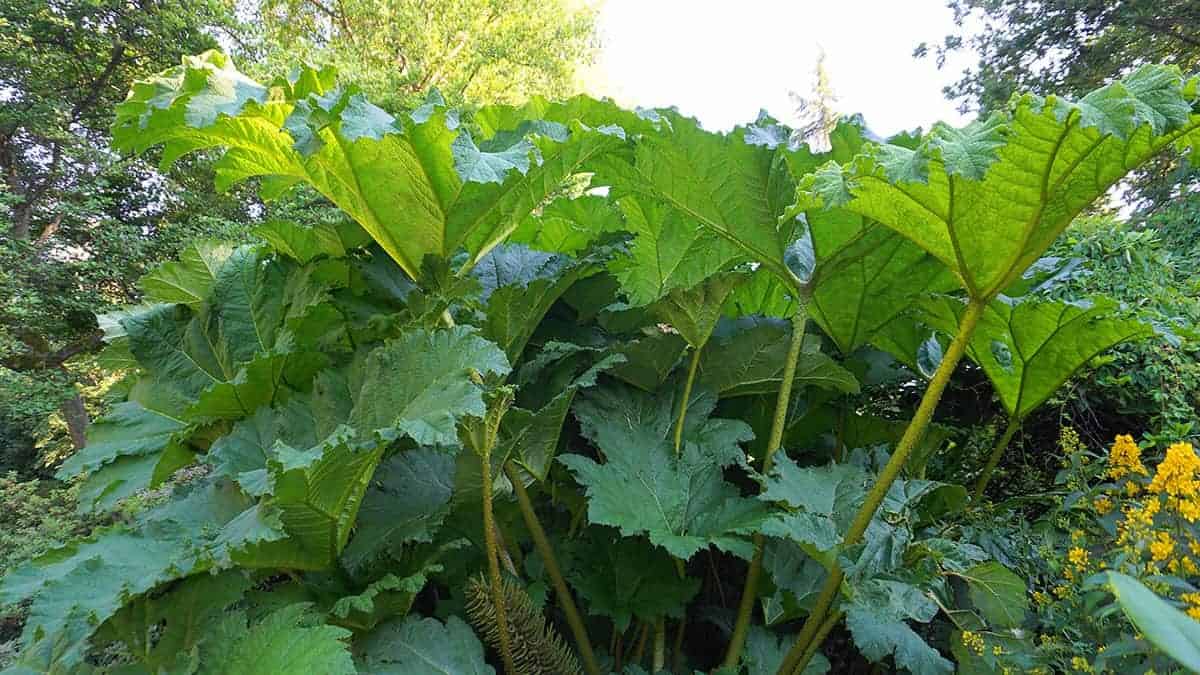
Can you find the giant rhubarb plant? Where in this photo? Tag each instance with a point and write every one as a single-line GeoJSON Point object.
{"type": "Point", "coordinates": [374, 411]}
{"type": "Point", "coordinates": [987, 200]}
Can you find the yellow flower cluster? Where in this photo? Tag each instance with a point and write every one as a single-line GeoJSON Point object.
{"type": "Point", "coordinates": [1078, 557]}
{"type": "Point", "coordinates": [1193, 601]}
{"type": "Point", "coordinates": [1176, 474]}
{"type": "Point", "coordinates": [1125, 458]}
{"type": "Point", "coordinates": [973, 641]}
{"type": "Point", "coordinates": [1139, 521]}
{"type": "Point", "coordinates": [1081, 664]}
{"type": "Point", "coordinates": [1162, 547]}
{"type": "Point", "coordinates": [1102, 505]}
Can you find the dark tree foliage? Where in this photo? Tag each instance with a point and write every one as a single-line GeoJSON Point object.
{"type": "Point", "coordinates": [80, 224]}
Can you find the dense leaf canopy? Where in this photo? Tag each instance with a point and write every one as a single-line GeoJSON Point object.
{"type": "Point", "coordinates": [503, 313]}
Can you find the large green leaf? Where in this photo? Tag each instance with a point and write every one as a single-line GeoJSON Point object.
{"type": "Point", "coordinates": [871, 281]}
{"type": "Point", "coordinates": [747, 357]}
{"type": "Point", "coordinates": [172, 346]}
{"type": "Point", "coordinates": [998, 593]}
{"type": "Point", "coordinates": [1167, 628]}
{"type": "Point", "coordinates": [246, 310]}
{"type": "Point", "coordinates": [165, 633]}
{"type": "Point", "coordinates": [626, 577]}
{"type": "Point", "coordinates": [694, 311]}
{"type": "Point", "coordinates": [1029, 347]}
{"type": "Point", "coordinates": [495, 120]}
{"type": "Point", "coordinates": [232, 349]}
{"type": "Point", "coordinates": [820, 501]}
{"type": "Point", "coordinates": [242, 454]}
{"type": "Point", "coordinates": [568, 225]}
{"type": "Point", "coordinates": [669, 251]}
{"type": "Point", "coordinates": [188, 279]}
{"type": "Point", "coordinates": [519, 286]}
{"type": "Point", "coordinates": [420, 383]}
{"type": "Point", "coordinates": [419, 186]}
{"type": "Point", "coordinates": [424, 646]}
{"type": "Point", "coordinates": [289, 640]}
{"type": "Point", "coordinates": [317, 492]}
{"type": "Point", "coordinates": [796, 578]}
{"type": "Point", "coordinates": [129, 430]}
{"type": "Point", "coordinates": [76, 587]}
{"type": "Point", "coordinates": [649, 360]}
{"type": "Point", "coordinates": [303, 243]}
{"type": "Point", "coordinates": [817, 504]}
{"type": "Point", "coordinates": [877, 618]}
{"type": "Point", "coordinates": [530, 438]}
{"type": "Point", "coordinates": [682, 503]}
{"type": "Point", "coordinates": [407, 502]}
{"type": "Point", "coordinates": [989, 198]}
{"type": "Point", "coordinates": [731, 188]}
{"type": "Point", "coordinates": [859, 274]}
{"type": "Point", "coordinates": [266, 378]}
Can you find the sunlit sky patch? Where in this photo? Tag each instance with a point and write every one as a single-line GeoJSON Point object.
{"type": "Point", "coordinates": [723, 61]}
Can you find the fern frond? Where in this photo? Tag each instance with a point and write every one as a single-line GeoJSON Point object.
{"type": "Point", "coordinates": [536, 647]}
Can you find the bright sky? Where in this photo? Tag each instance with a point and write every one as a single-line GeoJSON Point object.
{"type": "Point", "coordinates": [722, 61]}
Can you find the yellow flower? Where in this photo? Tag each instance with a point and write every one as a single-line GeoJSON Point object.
{"type": "Point", "coordinates": [1189, 509]}
{"type": "Point", "coordinates": [973, 641]}
{"type": "Point", "coordinates": [1078, 557]}
{"type": "Point", "coordinates": [1176, 474]}
{"type": "Point", "coordinates": [1081, 664]}
{"type": "Point", "coordinates": [1132, 488]}
{"type": "Point", "coordinates": [1061, 591]}
{"type": "Point", "coordinates": [1041, 598]}
{"type": "Point", "coordinates": [997, 650]}
{"type": "Point", "coordinates": [1162, 547]}
{"type": "Point", "coordinates": [1102, 505]}
{"type": "Point", "coordinates": [1193, 600]}
{"type": "Point", "coordinates": [1125, 458]}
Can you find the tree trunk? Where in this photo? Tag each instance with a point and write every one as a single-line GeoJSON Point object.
{"type": "Point", "coordinates": [76, 416]}
{"type": "Point", "coordinates": [22, 219]}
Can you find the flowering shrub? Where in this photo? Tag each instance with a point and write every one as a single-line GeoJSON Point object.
{"type": "Point", "coordinates": [1124, 511]}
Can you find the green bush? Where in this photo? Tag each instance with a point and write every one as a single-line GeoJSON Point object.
{"type": "Point", "coordinates": [1153, 267]}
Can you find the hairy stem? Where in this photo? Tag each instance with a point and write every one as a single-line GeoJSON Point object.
{"type": "Point", "coordinates": [493, 556]}
{"type": "Point", "coordinates": [677, 647]}
{"type": "Point", "coordinates": [831, 621]}
{"type": "Point", "coordinates": [660, 645]}
{"type": "Point", "coordinates": [687, 395]}
{"type": "Point", "coordinates": [542, 544]}
{"type": "Point", "coordinates": [640, 650]}
{"type": "Point", "coordinates": [994, 459]}
{"type": "Point", "coordinates": [750, 591]}
{"type": "Point", "coordinates": [912, 435]}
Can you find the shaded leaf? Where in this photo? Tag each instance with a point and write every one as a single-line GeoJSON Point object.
{"type": "Point", "coordinates": [682, 503]}
{"type": "Point", "coordinates": [1028, 349]}
{"type": "Point", "coordinates": [420, 383]}
{"type": "Point", "coordinates": [406, 502]}
{"type": "Point", "coordinates": [424, 646]}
